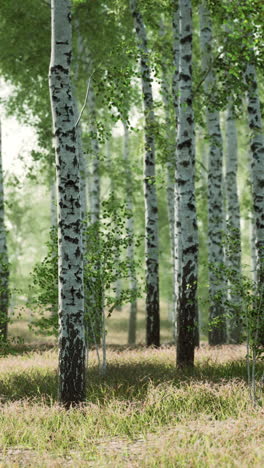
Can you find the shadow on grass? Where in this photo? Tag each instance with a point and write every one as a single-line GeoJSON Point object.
{"type": "Point", "coordinates": [131, 381]}
{"type": "Point", "coordinates": [19, 349]}
{"type": "Point", "coordinates": [123, 381]}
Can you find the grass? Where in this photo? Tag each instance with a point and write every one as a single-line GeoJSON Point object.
{"type": "Point", "coordinates": [117, 326]}
{"type": "Point", "coordinates": [143, 413]}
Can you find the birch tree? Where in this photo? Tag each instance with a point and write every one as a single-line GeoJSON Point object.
{"type": "Point", "coordinates": [53, 205]}
{"type": "Point", "coordinates": [257, 152]}
{"type": "Point", "coordinates": [217, 322]}
{"type": "Point", "coordinates": [186, 223]}
{"type": "Point", "coordinates": [110, 163]}
{"type": "Point", "coordinates": [4, 269]}
{"type": "Point", "coordinates": [70, 270]}
{"type": "Point", "coordinates": [233, 222]}
{"type": "Point", "coordinates": [95, 314]}
{"type": "Point", "coordinates": [175, 95]}
{"type": "Point", "coordinates": [151, 205]}
{"type": "Point", "coordinates": [130, 229]}
{"type": "Point", "coordinates": [170, 135]}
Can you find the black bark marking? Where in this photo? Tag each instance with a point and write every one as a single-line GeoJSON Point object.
{"type": "Point", "coordinates": [186, 39]}
{"type": "Point", "coordinates": [71, 149]}
{"type": "Point", "coordinates": [72, 240]}
{"type": "Point", "coordinates": [77, 252]}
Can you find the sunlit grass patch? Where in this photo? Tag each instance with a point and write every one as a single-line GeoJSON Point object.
{"type": "Point", "coordinates": [132, 407]}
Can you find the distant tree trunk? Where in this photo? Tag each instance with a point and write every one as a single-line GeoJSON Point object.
{"type": "Point", "coordinates": [151, 204]}
{"type": "Point", "coordinates": [95, 188]}
{"type": "Point", "coordinates": [71, 289]}
{"type": "Point", "coordinates": [110, 164]}
{"type": "Point", "coordinates": [253, 247]}
{"type": "Point", "coordinates": [4, 267]}
{"type": "Point", "coordinates": [53, 205]}
{"type": "Point", "coordinates": [185, 200]}
{"type": "Point", "coordinates": [233, 223]}
{"type": "Point", "coordinates": [170, 134]}
{"type": "Point", "coordinates": [54, 226]}
{"type": "Point", "coordinates": [217, 286]}
{"type": "Point", "coordinates": [83, 169]}
{"type": "Point", "coordinates": [257, 151]}
{"type": "Point", "coordinates": [131, 247]}
{"type": "Point", "coordinates": [175, 95]}
{"type": "Point", "coordinates": [95, 314]}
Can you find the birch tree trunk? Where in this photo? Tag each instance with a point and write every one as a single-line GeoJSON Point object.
{"type": "Point", "coordinates": [176, 255]}
{"type": "Point", "coordinates": [70, 270]}
{"type": "Point", "coordinates": [4, 268]}
{"type": "Point", "coordinates": [95, 314]}
{"type": "Point", "coordinates": [110, 162]}
{"type": "Point", "coordinates": [95, 188]}
{"type": "Point", "coordinates": [171, 144]}
{"type": "Point", "coordinates": [257, 152]}
{"type": "Point", "coordinates": [82, 157]}
{"type": "Point", "coordinates": [151, 205]}
{"type": "Point", "coordinates": [53, 205]}
{"type": "Point", "coordinates": [253, 247]}
{"type": "Point", "coordinates": [233, 223]}
{"type": "Point", "coordinates": [217, 322]}
{"type": "Point", "coordinates": [130, 228]}
{"type": "Point", "coordinates": [186, 222]}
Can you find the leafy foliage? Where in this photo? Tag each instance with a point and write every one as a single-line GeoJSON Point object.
{"type": "Point", "coordinates": [102, 268]}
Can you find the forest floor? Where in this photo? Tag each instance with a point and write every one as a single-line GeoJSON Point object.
{"type": "Point", "coordinates": [142, 413]}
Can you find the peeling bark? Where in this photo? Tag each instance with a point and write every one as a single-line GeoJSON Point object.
{"type": "Point", "coordinates": [217, 286]}
{"type": "Point", "coordinates": [4, 267]}
{"type": "Point", "coordinates": [151, 205]}
{"type": "Point", "coordinates": [70, 269]}
{"type": "Point", "coordinates": [186, 222]}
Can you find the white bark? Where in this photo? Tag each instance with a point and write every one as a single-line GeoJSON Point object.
{"type": "Point", "coordinates": [95, 188]}
{"type": "Point", "coordinates": [257, 152]}
{"type": "Point", "coordinates": [217, 331]}
{"type": "Point", "coordinates": [253, 247]}
{"type": "Point", "coordinates": [82, 159]}
{"type": "Point", "coordinates": [186, 222]}
{"type": "Point", "coordinates": [109, 160]}
{"type": "Point", "coordinates": [131, 231]}
{"type": "Point", "coordinates": [171, 144]}
{"type": "Point", "coordinates": [175, 94]}
{"type": "Point", "coordinates": [151, 205]}
{"type": "Point", "coordinates": [70, 271]}
{"type": "Point", "coordinates": [4, 268]}
{"type": "Point", "coordinates": [233, 222]}
{"type": "Point", "coordinates": [95, 309]}
{"type": "Point", "coordinates": [53, 205]}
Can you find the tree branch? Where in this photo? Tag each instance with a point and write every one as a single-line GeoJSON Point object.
{"type": "Point", "coordinates": [85, 100]}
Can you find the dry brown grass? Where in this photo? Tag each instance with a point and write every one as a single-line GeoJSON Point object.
{"type": "Point", "coordinates": [117, 327]}
{"type": "Point", "coordinates": [143, 413]}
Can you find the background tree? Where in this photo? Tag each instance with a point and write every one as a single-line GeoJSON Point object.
{"type": "Point", "coordinates": [217, 320]}
{"type": "Point", "coordinates": [4, 266]}
{"type": "Point", "coordinates": [151, 206]}
{"type": "Point", "coordinates": [233, 222]}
